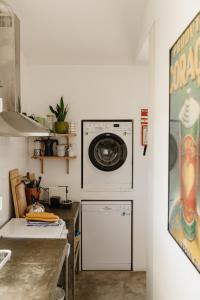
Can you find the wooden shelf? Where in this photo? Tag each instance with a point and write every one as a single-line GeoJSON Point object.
{"type": "Point", "coordinates": [66, 158]}
{"type": "Point", "coordinates": [42, 158]}
{"type": "Point", "coordinates": [62, 134]}
{"type": "Point", "coordinates": [53, 157]}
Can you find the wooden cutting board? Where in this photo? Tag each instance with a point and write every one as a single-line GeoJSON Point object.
{"type": "Point", "coordinates": [21, 199]}
{"type": "Point", "coordinates": [15, 179]}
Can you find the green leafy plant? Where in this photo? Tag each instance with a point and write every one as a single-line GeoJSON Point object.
{"type": "Point", "coordinates": [60, 111]}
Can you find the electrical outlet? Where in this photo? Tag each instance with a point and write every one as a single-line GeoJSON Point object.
{"type": "Point", "coordinates": [1, 202]}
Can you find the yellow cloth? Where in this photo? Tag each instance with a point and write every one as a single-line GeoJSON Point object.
{"type": "Point", "coordinates": [42, 216]}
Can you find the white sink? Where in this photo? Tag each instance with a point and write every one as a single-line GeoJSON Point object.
{"type": "Point", "coordinates": [5, 255]}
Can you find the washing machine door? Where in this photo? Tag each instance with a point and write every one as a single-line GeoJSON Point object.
{"type": "Point", "coordinates": [107, 152]}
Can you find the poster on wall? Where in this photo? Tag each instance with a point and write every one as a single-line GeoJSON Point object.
{"type": "Point", "coordinates": [184, 142]}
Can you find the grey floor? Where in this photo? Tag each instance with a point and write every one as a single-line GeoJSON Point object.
{"type": "Point", "coordinates": [110, 285]}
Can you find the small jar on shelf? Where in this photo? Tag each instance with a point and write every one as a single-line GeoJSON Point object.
{"type": "Point", "coordinates": [71, 150]}
{"type": "Point", "coordinates": [72, 127]}
{"type": "Point", "coordinates": [50, 123]}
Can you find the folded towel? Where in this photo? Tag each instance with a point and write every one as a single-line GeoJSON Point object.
{"type": "Point", "coordinates": [42, 216]}
{"type": "Point", "coordinates": [42, 223]}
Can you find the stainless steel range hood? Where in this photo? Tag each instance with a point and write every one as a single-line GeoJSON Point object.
{"type": "Point", "coordinates": [12, 122]}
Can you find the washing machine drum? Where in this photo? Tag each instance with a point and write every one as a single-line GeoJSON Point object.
{"type": "Point", "coordinates": [107, 152]}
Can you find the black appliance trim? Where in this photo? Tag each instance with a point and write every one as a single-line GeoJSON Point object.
{"type": "Point", "coordinates": [173, 151]}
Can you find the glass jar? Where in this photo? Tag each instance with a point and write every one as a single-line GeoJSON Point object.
{"type": "Point", "coordinates": [50, 123]}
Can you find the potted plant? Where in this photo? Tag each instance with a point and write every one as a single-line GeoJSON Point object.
{"type": "Point", "coordinates": [60, 112]}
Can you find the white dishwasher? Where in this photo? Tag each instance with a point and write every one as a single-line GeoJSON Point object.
{"type": "Point", "coordinates": [107, 235]}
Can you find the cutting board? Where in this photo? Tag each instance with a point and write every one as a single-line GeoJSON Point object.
{"type": "Point", "coordinates": [15, 179]}
{"type": "Point", "coordinates": [21, 199]}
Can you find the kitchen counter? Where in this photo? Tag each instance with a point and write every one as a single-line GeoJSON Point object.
{"type": "Point", "coordinates": [67, 214]}
{"type": "Point", "coordinates": [34, 268]}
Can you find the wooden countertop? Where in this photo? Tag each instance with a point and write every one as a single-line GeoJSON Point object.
{"type": "Point", "coordinates": [34, 268]}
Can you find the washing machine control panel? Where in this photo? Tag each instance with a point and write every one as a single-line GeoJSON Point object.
{"type": "Point", "coordinates": [99, 127]}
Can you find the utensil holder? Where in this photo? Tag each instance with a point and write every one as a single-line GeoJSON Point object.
{"type": "Point", "coordinates": [30, 193]}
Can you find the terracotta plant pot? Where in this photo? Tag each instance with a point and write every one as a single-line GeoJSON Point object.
{"type": "Point", "coordinates": [61, 127]}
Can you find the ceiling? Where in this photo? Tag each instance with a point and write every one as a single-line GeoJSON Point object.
{"type": "Point", "coordinates": [79, 31]}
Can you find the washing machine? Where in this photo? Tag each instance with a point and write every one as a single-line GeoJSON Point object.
{"type": "Point", "coordinates": [107, 155]}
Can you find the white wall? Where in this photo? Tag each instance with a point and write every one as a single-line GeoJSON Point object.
{"type": "Point", "coordinates": [174, 277]}
{"type": "Point", "coordinates": [150, 248]}
{"type": "Point", "coordinates": [13, 154]}
{"type": "Point", "coordinates": [93, 92]}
